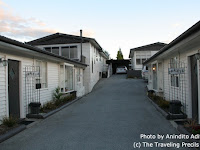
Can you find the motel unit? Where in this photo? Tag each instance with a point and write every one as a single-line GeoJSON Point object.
{"type": "Point", "coordinates": [174, 72]}
{"type": "Point", "coordinates": [81, 49]}
{"type": "Point", "coordinates": [139, 55]}
{"type": "Point", "coordinates": [30, 74]}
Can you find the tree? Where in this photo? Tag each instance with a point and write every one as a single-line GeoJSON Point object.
{"type": "Point", "coordinates": [119, 54]}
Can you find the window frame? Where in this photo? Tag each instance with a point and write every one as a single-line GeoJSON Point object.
{"type": "Point", "coordinates": [41, 72]}
{"type": "Point", "coordinates": [60, 50]}
{"type": "Point", "coordinates": [62, 80]}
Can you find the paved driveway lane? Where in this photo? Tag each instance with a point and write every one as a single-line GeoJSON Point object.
{"type": "Point", "coordinates": [112, 117]}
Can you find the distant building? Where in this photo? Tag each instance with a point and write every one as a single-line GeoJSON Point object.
{"type": "Point", "coordinates": [69, 46]}
{"type": "Point", "coordinates": [139, 55]}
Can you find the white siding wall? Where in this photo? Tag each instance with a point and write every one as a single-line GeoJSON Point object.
{"type": "Point", "coordinates": [182, 93]}
{"type": "Point", "coordinates": [79, 84]}
{"type": "Point", "coordinates": [91, 78]}
{"type": "Point", "coordinates": [3, 102]}
{"type": "Point", "coordinates": [139, 55]}
{"type": "Point", "coordinates": [89, 51]}
{"type": "Point", "coordinates": [87, 71]}
{"type": "Point", "coordinates": [46, 94]}
{"type": "Point", "coordinates": [52, 82]}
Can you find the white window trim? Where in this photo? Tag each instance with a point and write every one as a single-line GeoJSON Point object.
{"type": "Point", "coordinates": [63, 86]}
{"type": "Point", "coordinates": [60, 49]}
{"type": "Point", "coordinates": [45, 88]}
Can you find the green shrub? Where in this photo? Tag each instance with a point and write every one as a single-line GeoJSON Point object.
{"type": "Point", "coordinates": [163, 103]}
{"type": "Point", "coordinates": [9, 121]}
{"type": "Point", "coordinates": [159, 100]}
{"type": "Point", "coordinates": [68, 98]}
{"type": "Point", "coordinates": [57, 94]}
{"type": "Point", "coordinates": [48, 106]}
{"type": "Point", "coordinates": [59, 99]}
{"type": "Point", "coordinates": [195, 131]}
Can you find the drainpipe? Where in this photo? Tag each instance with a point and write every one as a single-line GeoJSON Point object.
{"type": "Point", "coordinates": [81, 44]}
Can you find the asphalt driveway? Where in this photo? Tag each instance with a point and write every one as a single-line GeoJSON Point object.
{"type": "Point", "coordinates": [112, 117]}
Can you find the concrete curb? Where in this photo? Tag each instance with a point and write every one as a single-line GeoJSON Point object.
{"type": "Point", "coordinates": [12, 133]}
{"type": "Point", "coordinates": [43, 116]}
{"type": "Point", "coordinates": [23, 127]}
{"type": "Point", "coordinates": [60, 108]}
{"type": "Point", "coordinates": [179, 128]}
{"type": "Point", "coordinates": [166, 115]}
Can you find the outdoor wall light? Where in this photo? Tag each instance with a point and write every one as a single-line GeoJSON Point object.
{"type": "Point", "coordinates": [3, 61]}
{"type": "Point", "coordinates": [154, 68]}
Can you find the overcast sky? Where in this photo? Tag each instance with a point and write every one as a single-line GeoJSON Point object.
{"type": "Point", "coordinates": [113, 23]}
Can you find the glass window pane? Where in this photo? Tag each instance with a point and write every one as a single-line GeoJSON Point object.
{"type": "Point", "coordinates": [65, 52]}
{"type": "Point", "coordinates": [68, 78]}
{"type": "Point", "coordinates": [138, 61]}
{"type": "Point", "coordinates": [48, 49]}
{"type": "Point", "coordinates": [55, 50]}
{"type": "Point", "coordinates": [43, 73]}
{"type": "Point", "coordinates": [62, 78]}
{"type": "Point", "coordinates": [143, 60]}
{"type": "Point", "coordinates": [73, 52]}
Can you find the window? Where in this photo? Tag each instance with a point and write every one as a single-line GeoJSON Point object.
{"type": "Point", "coordinates": [96, 58]}
{"type": "Point", "coordinates": [43, 73]}
{"type": "Point", "coordinates": [174, 77]}
{"type": "Point", "coordinates": [66, 78]}
{"type": "Point", "coordinates": [138, 61]}
{"type": "Point", "coordinates": [65, 52]}
{"type": "Point", "coordinates": [70, 52]}
{"type": "Point", "coordinates": [55, 50]}
{"type": "Point", "coordinates": [48, 49]}
{"type": "Point", "coordinates": [73, 52]}
{"type": "Point", "coordinates": [174, 81]}
{"type": "Point", "coordinates": [143, 60]}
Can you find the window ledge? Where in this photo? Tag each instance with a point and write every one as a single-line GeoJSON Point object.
{"type": "Point", "coordinates": [68, 92]}
{"type": "Point", "coordinates": [158, 91]}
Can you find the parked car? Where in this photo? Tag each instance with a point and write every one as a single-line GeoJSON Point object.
{"type": "Point", "coordinates": [121, 69]}
{"type": "Point", "coordinates": [145, 72]}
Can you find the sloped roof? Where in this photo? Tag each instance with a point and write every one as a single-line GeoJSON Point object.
{"type": "Point", "coordinates": [24, 45]}
{"type": "Point", "coordinates": [150, 47]}
{"type": "Point", "coordinates": [184, 35]}
{"type": "Point", "coordinates": [60, 38]}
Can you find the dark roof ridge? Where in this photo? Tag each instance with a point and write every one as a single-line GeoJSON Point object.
{"type": "Point", "coordinates": [182, 36]}
{"type": "Point", "coordinates": [161, 43]}
{"type": "Point", "coordinates": [39, 50]}
{"type": "Point", "coordinates": [57, 34]}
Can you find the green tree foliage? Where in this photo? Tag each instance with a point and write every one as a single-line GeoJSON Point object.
{"type": "Point", "coordinates": [119, 55]}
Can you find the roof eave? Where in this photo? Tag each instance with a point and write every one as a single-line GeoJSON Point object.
{"type": "Point", "coordinates": [184, 35]}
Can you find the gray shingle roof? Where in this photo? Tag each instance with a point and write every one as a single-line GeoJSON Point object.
{"type": "Point", "coordinates": [60, 38]}
{"type": "Point", "coordinates": [24, 45]}
{"type": "Point", "coordinates": [195, 28]}
{"type": "Point", "coordinates": [150, 47]}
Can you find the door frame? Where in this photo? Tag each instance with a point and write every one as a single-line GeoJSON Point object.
{"type": "Point", "coordinates": [155, 74]}
{"type": "Point", "coordinates": [21, 101]}
{"type": "Point", "coordinates": [189, 97]}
